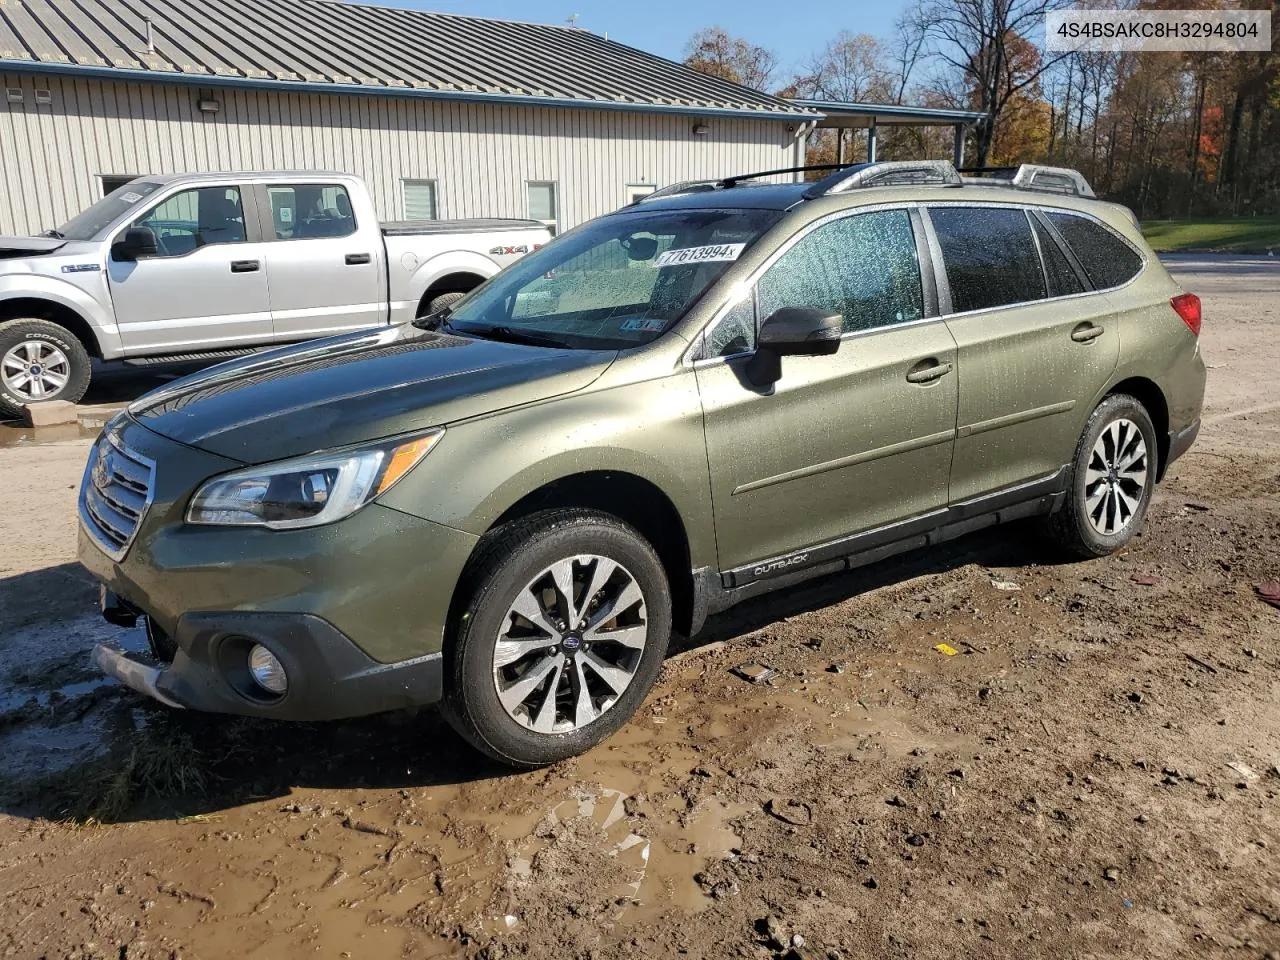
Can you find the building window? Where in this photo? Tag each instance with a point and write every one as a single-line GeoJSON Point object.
{"type": "Point", "coordinates": [112, 182]}
{"type": "Point", "coordinates": [544, 203]}
{"type": "Point", "coordinates": [638, 191]}
{"type": "Point", "coordinates": [419, 199]}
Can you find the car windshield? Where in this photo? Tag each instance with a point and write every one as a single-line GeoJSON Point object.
{"type": "Point", "coordinates": [89, 223]}
{"type": "Point", "coordinates": [616, 282]}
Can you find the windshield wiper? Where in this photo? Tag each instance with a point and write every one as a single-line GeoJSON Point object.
{"type": "Point", "coordinates": [434, 321]}
{"type": "Point", "coordinates": [53, 234]}
{"type": "Point", "coordinates": [509, 335]}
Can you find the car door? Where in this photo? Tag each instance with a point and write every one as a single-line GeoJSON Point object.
{"type": "Point", "coordinates": [1035, 347]}
{"type": "Point", "coordinates": [841, 444]}
{"type": "Point", "coordinates": [325, 265]}
{"type": "Point", "coordinates": [206, 286]}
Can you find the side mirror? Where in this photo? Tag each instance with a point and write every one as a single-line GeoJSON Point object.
{"type": "Point", "coordinates": [793, 331]}
{"type": "Point", "coordinates": [137, 242]}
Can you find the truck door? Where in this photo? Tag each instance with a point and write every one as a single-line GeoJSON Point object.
{"type": "Point", "coordinates": [206, 286]}
{"type": "Point", "coordinates": [325, 266]}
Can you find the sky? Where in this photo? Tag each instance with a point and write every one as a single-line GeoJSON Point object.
{"type": "Point", "coordinates": [794, 30]}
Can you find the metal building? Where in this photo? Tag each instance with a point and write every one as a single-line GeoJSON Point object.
{"type": "Point", "coordinates": [444, 116]}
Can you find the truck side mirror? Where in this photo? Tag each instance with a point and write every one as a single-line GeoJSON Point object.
{"type": "Point", "coordinates": [137, 242]}
{"type": "Point", "coordinates": [793, 331]}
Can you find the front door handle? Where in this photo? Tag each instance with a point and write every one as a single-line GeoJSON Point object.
{"type": "Point", "coordinates": [245, 266]}
{"type": "Point", "coordinates": [927, 371]}
{"type": "Point", "coordinates": [1087, 332]}
{"type": "Point", "coordinates": [356, 258]}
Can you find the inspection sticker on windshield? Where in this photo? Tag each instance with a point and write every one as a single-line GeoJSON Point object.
{"type": "Point", "coordinates": [716, 251]}
{"type": "Point", "coordinates": [130, 197]}
{"type": "Point", "coordinates": [643, 324]}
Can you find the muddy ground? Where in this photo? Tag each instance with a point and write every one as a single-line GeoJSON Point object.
{"type": "Point", "coordinates": [1092, 775]}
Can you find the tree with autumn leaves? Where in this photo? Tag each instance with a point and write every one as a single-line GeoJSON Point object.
{"type": "Point", "coordinates": [1170, 134]}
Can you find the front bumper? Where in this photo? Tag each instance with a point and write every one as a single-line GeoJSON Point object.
{"type": "Point", "coordinates": [329, 677]}
{"type": "Point", "coordinates": [356, 610]}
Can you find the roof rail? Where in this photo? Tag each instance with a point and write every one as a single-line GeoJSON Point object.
{"type": "Point", "coordinates": [1033, 176]}
{"type": "Point", "coordinates": [890, 173]}
{"type": "Point", "coordinates": [728, 183]}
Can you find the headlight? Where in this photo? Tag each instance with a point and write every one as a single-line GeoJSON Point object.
{"type": "Point", "coordinates": [307, 491]}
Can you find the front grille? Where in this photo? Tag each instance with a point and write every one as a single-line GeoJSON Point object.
{"type": "Point", "coordinates": [115, 494]}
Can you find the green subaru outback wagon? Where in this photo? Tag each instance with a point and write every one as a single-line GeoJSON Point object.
{"type": "Point", "coordinates": [509, 506]}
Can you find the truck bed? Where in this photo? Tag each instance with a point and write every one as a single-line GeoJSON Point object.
{"type": "Point", "coordinates": [409, 228]}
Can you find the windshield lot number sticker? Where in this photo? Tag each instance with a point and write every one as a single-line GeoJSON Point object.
{"type": "Point", "coordinates": [714, 252]}
{"type": "Point", "coordinates": [643, 324]}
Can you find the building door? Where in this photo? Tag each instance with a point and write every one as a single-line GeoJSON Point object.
{"type": "Point", "coordinates": [205, 288]}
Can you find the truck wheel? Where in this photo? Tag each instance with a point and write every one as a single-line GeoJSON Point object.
{"type": "Point", "coordinates": [564, 633]}
{"type": "Point", "coordinates": [442, 300]}
{"type": "Point", "coordinates": [1113, 478]}
{"type": "Point", "coordinates": [39, 361]}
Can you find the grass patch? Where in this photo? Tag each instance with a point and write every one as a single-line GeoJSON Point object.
{"type": "Point", "coordinates": [1228, 235]}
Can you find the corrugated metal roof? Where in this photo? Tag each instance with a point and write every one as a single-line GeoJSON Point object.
{"type": "Point", "coordinates": [355, 47]}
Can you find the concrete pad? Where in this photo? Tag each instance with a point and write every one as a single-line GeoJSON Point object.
{"type": "Point", "coordinates": [50, 413]}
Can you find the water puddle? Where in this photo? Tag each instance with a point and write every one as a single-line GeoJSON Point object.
{"type": "Point", "coordinates": [14, 434]}
{"type": "Point", "coordinates": [53, 701]}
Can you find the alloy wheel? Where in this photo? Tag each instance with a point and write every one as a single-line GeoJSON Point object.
{"type": "Point", "coordinates": [35, 370]}
{"type": "Point", "coordinates": [1116, 477]}
{"type": "Point", "coordinates": [570, 644]}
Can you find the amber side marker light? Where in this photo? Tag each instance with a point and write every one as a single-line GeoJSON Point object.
{"type": "Point", "coordinates": [404, 459]}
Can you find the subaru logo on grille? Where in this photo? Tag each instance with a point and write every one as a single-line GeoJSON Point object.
{"type": "Point", "coordinates": [101, 470]}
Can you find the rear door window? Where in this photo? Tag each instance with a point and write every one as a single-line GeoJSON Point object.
{"type": "Point", "coordinates": [1107, 260]}
{"type": "Point", "coordinates": [310, 211]}
{"type": "Point", "coordinates": [1062, 276]}
{"type": "Point", "coordinates": [990, 256]}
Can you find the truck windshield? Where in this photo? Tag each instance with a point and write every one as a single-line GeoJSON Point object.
{"type": "Point", "coordinates": [616, 282]}
{"type": "Point", "coordinates": [89, 223]}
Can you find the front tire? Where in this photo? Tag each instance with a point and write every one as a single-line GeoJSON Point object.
{"type": "Point", "coordinates": [39, 361]}
{"type": "Point", "coordinates": [564, 633]}
{"type": "Point", "coordinates": [1113, 478]}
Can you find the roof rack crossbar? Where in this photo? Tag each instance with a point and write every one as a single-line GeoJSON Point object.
{"type": "Point", "coordinates": [890, 173]}
{"type": "Point", "coordinates": [1034, 176]}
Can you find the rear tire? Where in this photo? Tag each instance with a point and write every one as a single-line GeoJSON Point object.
{"type": "Point", "coordinates": [597, 661]}
{"type": "Point", "coordinates": [39, 362]}
{"type": "Point", "coordinates": [1113, 477]}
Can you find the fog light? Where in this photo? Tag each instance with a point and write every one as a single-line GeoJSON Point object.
{"type": "Point", "coordinates": [267, 671]}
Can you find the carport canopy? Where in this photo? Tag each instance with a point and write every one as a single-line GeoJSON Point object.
{"type": "Point", "coordinates": [845, 116]}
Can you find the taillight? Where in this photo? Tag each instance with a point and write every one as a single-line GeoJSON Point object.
{"type": "Point", "coordinates": [1187, 306]}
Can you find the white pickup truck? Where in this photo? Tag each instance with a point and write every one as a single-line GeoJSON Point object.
{"type": "Point", "coordinates": [195, 266]}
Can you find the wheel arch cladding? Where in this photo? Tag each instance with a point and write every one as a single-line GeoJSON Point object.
{"type": "Point", "coordinates": [1149, 394]}
{"type": "Point", "coordinates": [36, 308]}
{"type": "Point", "coordinates": [638, 502]}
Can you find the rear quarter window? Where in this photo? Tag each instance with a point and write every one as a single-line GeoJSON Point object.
{"type": "Point", "coordinates": [1107, 260]}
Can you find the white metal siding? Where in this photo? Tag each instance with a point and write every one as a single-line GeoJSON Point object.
{"type": "Point", "coordinates": [480, 155]}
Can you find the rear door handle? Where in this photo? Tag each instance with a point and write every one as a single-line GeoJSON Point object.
{"type": "Point", "coordinates": [927, 371]}
{"type": "Point", "coordinates": [1087, 332]}
{"type": "Point", "coordinates": [356, 258]}
{"type": "Point", "coordinates": [245, 266]}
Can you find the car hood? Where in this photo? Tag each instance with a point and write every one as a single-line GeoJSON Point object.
{"type": "Point", "coordinates": [355, 388]}
{"type": "Point", "coordinates": [11, 247]}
